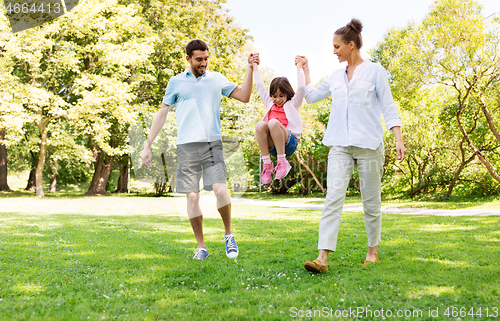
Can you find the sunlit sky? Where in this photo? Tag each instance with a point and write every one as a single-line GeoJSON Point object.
{"type": "Point", "coordinates": [282, 29]}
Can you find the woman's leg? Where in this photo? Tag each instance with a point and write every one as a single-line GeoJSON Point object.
{"type": "Point", "coordinates": [279, 135]}
{"type": "Point", "coordinates": [263, 137]}
{"type": "Point", "coordinates": [340, 168]}
{"type": "Point", "coordinates": [371, 167]}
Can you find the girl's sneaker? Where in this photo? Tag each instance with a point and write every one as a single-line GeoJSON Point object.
{"type": "Point", "coordinates": [265, 177]}
{"type": "Point", "coordinates": [282, 169]}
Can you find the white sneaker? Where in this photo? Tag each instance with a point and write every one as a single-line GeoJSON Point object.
{"type": "Point", "coordinates": [231, 247]}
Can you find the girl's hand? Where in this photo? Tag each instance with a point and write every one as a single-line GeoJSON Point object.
{"type": "Point", "coordinates": [253, 59]}
{"type": "Point", "coordinates": [301, 61]}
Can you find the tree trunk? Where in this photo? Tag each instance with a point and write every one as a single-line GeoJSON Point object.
{"type": "Point", "coordinates": [311, 172]}
{"type": "Point", "coordinates": [41, 160]}
{"type": "Point", "coordinates": [53, 179]}
{"type": "Point", "coordinates": [476, 151]}
{"type": "Point", "coordinates": [419, 189]}
{"type": "Point", "coordinates": [122, 186]}
{"type": "Point", "coordinates": [302, 186]}
{"type": "Point", "coordinates": [102, 169]}
{"type": "Point", "coordinates": [460, 169]}
{"type": "Point", "coordinates": [3, 164]}
{"type": "Point", "coordinates": [489, 118]}
{"type": "Point", "coordinates": [30, 186]}
{"type": "Point", "coordinates": [283, 185]}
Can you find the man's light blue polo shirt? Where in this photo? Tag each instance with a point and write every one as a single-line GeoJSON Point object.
{"type": "Point", "coordinates": [197, 105]}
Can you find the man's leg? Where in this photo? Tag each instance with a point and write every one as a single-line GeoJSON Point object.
{"type": "Point", "coordinates": [187, 180]}
{"type": "Point", "coordinates": [223, 205]}
{"type": "Point", "coordinates": [195, 217]}
{"type": "Point", "coordinates": [224, 208]}
{"type": "Point", "coordinates": [214, 178]}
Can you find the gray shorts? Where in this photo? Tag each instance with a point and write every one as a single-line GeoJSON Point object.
{"type": "Point", "coordinates": [195, 160]}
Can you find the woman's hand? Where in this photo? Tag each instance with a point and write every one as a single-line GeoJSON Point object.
{"type": "Point", "coordinates": [400, 146]}
{"type": "Point", "coordinates": [301, 61]}
{"type": "Point", "coordinates": [400, 150]}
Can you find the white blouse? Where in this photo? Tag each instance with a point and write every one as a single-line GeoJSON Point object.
{"type": "Point", "coordinates": [357, 106]}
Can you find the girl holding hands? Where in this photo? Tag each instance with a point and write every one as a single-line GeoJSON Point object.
{"type": "Point", "coordinates": [279, 132]}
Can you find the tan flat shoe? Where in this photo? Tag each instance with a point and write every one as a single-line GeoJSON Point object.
{"type": "Point", "coordinates": [366, 262]}
{"type": "Point", "coordinates": [316, 266]}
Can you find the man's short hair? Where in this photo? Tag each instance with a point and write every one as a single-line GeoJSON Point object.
{"type": "Point", "coordinates": [195, 45]}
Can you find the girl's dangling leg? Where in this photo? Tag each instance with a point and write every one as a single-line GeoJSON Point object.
{"type": "Point", "coordinates": [279, 135]}
{"type": "Point", "coordinates": [264, 140]}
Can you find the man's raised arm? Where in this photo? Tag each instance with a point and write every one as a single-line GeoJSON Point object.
{"type": "Point", "coordinates": [243, 94]}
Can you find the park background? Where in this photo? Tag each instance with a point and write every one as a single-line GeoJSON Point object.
{"type": "Point", "coordinates": [75, 89]}
{"type": "Point", "coordinates": [77, 95]}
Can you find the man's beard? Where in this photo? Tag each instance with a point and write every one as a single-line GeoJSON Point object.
{"type": "Point", "coordinates": [198, 73]}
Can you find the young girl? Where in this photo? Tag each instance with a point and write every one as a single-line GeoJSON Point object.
{"type": "Point", "coordinates": [279, 132]}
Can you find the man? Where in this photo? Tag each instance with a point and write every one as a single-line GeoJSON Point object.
{"type": "Point", "coordinates": [197, 95]}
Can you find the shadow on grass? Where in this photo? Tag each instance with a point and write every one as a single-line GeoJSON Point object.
{"type": "Point", "coordinates": [137, 267]}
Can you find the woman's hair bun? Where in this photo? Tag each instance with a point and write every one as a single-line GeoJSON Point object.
{"type": "Point", "coordinates": [355, 25]}
{"type": "Point", "coordinates": [351, 32]}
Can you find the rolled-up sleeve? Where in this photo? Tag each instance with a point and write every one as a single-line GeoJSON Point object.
{"type": "Point", "coordinates": [313, 95]}
{"type": "Point", "coordinates": [384, 94]}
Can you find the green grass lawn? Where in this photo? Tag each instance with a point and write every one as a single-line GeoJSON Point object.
{"type": "Point", "coordinates": [131, 259]}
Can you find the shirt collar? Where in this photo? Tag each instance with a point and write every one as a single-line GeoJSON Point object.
{"type": "Point", "coordinates": [189, 73]}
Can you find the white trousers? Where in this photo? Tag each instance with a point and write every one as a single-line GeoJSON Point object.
{"type": "Point", "coordinates": [341, 164]}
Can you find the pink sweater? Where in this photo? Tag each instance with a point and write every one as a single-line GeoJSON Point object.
{"type": "Point", "coordinates": [291, 107]}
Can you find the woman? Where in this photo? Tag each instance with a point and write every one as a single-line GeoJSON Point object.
{"type": "Point", "coordinates": [360, 94]}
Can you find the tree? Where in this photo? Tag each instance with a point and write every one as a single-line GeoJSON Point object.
{"type": "Point", "coordinates": [468, 61]}
{"type": "Point", "coordinates": [176, 22]}
{"type": "Point", "coordinates": [452, 49]}
{"type": "Point", "coordinates": [4, 186]}
{"type": "Point", "coordinates": [86, 54]}
{"type": "Point", "coordinates": [11, 114]}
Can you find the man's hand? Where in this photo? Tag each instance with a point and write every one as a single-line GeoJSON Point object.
{"type": "Point", "coordinates": [253, 60]}
{"type": "Point", "coordinates": [146, 156]}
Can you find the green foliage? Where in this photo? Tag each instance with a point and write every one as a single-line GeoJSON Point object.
{"type": "Point", "coordinates": [443, 76]}
{"type": "Point", "coordinates": [71, 172]}
{"type": "Point", "coordinates": [100, 66]}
